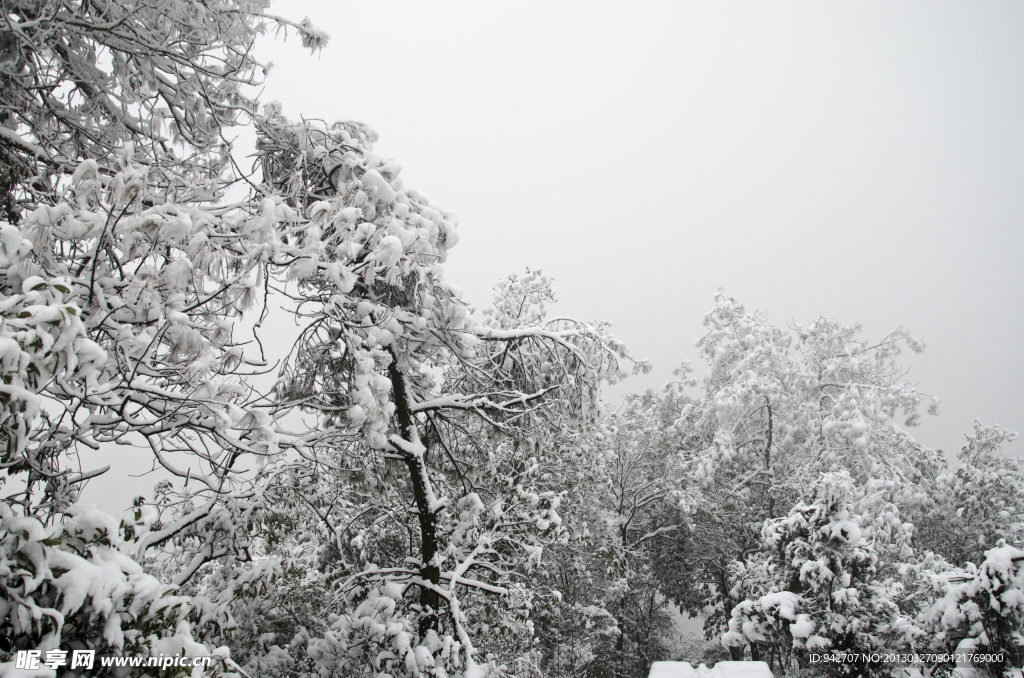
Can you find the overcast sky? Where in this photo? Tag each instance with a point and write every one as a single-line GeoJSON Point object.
{"type": "Point", "coordinates": [862, 161]}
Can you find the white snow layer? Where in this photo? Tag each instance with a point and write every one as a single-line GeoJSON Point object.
{"type": "Point", "coordinates": [720, 670]}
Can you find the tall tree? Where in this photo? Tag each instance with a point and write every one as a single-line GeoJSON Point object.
{"type": "Point", "coordinates": [821, 585]}
{"type": "Point", "coordinates": [614, 616]}
{"type": "Point", "coordinates": [122, 274]}
{"type": "Point", "coordinates": [975, 503]}
{"type": "Point", "coordinates": [780, 408]}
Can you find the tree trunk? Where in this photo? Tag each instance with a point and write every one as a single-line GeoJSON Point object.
{"type": "Point", "coordinates": [429, 570]}
{"type": "Point", "coordinates": [735, 653]}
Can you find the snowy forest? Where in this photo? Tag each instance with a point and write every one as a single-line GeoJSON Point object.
{"type": "Point", "coordinates": [411, 485]}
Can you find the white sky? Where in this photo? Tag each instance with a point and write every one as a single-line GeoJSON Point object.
{"type": "Point", "coordinates": [862, 161]}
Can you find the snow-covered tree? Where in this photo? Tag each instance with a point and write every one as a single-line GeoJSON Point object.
{"type": "Point", "coordinates": [112, 133]}
{"type": "Point", "coordinates": [973, 609]}
{"type": "Point", "coordinates": [82, 79]}
{"type": "Point", "coordinates": [127, 280]}
{"type": "Point", "coordinates": [823, 584]}
{"type": "Point", "coordinates": [818, 398]}
{"type": "Point", "coordinates": [780, 408]}
{"type": "Point", "coordinates": [845, 572]}
{"type": "Point", "coordinates": [975, 503]}
{"type": "Point", "coordinates": [412, 482]}
{"type": "Point", "coordinates": [433, 473]}
{"type": "Point", "coordinates": [965, 582]}
{"type": "Point", "coordinates": [613, 615]}
{"type": "Point", "coordinates": [123, 272]}
{"type": "Point", "coordinates": [72, 586]}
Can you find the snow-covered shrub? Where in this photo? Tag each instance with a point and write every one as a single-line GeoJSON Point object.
{"type": "Point", "coordinates": [820, 585]}
{"type": "Point", "coordinates": [977, 608]}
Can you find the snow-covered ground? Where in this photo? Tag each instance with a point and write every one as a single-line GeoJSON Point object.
{"type": "Point", "coordinates": [720, 670]}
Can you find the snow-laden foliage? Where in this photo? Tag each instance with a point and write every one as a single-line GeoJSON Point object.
{"type": "Point", "coordinates": [128, 285]}
{"type": "Point", "coordinates": [831, 581]}
{"type": "Point", "coordinates": [977, 608]}
{"type": "Point", "coordinates": [439, 590]}
{"type": "Point", "coordinates": [111, 137]}
{"type": "Point", "coordinates": [81, 79]}
{"type": "Point", "coordinates": [821, 586]}
{"type": "Point", "coordinates": [418, 402]}
{"type": "Point", "coordinates": [69, 584]}
{"type": "Point", "coordinates": [975, 503]}
{"type": "Point", "coordinates": [42, 342]}
{"type": "Point", "coordinates": [413, 489]}
{"type": "Point", "coordinates": [151, 292]}
{"type": "Point", "coordinates": [818, 395]}
{"type": "Point", "coordinates": [779, 409]}
{"type": "Point", "coordinates": [779, 517]}
{"type": "Point", "coordinates": [612, 615]}
{"type": "Point", "coordinates": [833, 511]}
{"type": "Point", "coordinates": [72, 586]}
{"type": "Point", "coordinates": [127, 280]}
